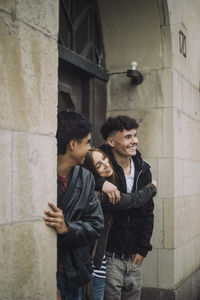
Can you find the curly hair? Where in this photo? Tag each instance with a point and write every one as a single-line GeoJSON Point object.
{"type": "Point", "coordinates": [71, 125]}
{"type": "Point", "coordinates": [118, 123]}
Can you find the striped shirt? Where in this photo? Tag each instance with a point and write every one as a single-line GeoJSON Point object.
{"type": "Point", "coordinates": [101, 273]}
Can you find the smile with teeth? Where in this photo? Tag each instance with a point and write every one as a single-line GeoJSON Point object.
{"type": "Point", "coordinates": [132, 147]}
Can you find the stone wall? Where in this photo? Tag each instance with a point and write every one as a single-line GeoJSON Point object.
{"type": "Point", "coordinates": [28, 100]}
{"type": "Point", "coordinates": [186, 116]}
{"type": "Point", "coordinates": [146, 39]}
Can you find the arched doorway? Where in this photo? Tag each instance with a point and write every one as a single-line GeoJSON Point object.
{"type": "Point", "coordinates": [82, 74]}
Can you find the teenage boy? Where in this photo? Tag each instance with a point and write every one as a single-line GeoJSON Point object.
{"type": "Point", "coordinates": [78, 218]}
{"type": "Point", "coordinates": [129, 238]}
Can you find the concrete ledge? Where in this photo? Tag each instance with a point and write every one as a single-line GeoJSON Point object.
{"type": "Point", "coordinates": [157, 294]}
{"type": "Point", "coordinates": [189, 289]}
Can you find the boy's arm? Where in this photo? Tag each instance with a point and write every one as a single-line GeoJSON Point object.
{"type": "Point", "coordinates": [146, 227]}
{"type": "Point", "coordinates": [101, 184]}
{"type": "Point", "coordinates": [88, 228]}
{"type": "Point", "coordinates": [83, 231]}
{"type": "Point", "coordinates": [131, 200]}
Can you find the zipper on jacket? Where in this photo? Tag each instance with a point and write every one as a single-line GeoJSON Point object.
{"type": "Point", "coordinates": [136, 185]}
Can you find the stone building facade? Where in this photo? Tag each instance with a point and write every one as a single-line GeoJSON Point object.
{"type": "Point", "coordinates": [163, 37]}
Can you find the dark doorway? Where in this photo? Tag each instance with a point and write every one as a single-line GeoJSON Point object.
{"type": "Point", "coordinates": [82, 76]}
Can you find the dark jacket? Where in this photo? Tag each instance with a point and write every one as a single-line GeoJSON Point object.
{"type": "Point", "coordinates": [84, 218]}
{"type": "Point", "coordinates": [127, 202]}
{"type": "Point", "coordinates": [131, 229]}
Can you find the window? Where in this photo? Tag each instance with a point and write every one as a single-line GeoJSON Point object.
{"type": "Point", "coordinates": [80, 29]}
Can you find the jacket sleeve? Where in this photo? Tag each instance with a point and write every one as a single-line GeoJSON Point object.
{"type": "Point", "coordinates": [146, 226]}
{"type": "Point", "coordinates": [130, 200]}
{"type": "Point", "coordinates": [88, 228]}
{"type": "Point", "coordinates": [99, 181]}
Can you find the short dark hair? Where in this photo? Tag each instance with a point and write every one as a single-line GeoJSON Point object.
{"type": "Point", "coordinates": [71, 125]}
{"type": "Point", "coordinates": [118, 123]}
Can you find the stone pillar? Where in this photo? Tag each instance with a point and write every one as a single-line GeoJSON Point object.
{"type": "Point", "coordinates": [28, 101]}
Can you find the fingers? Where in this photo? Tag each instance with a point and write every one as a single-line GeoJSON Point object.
{"type": "Point", "coordinates": [114, 197]}
{"type": "Point", "coordinates": [134, 261]}
{"type": "Point", "coordinates": [154, 183]}
{"type": "Point", "coordinates": [52, 220]}
{"type": "Point", "coordinates": [111, 197]}
{"type": "Point", "coordinates": [54, 207]}
{"type": "Point", "coordinates": [138, 259]}
{"type": "Point", "coordinates": [51, 224]}
{"type": "Point", "coordinates": [117, 195]}
{"type": "Point", "coordinates": [54, 214]}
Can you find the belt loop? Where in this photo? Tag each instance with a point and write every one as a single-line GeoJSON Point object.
{"type": "Point", "coordinates": [122, 256]}
{"type": "Point", "coordinates": [113, 255]}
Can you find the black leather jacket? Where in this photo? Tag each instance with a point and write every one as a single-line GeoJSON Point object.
{"type": "Point", "coordinates": [84, 218]}
{"type": "Point", "coordinates": [131, 229]}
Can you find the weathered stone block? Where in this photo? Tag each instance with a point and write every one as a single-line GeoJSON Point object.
{"type": "Point", "coordinates": [122, 20]}
{"type": "Point", "coordinates": [168, 220]}
{"type": "Point", "coordinates": [187, 259]}
{"type": "Point", "coordinates": [165, 178]}
{"type": "Point", "coordinates": [187, 222]}
{"type": "Point", "coordinates": [150, 269]}
{"type": "Point", "coordinates": [5, 261]}
{"type": "Point", "coordinates": [190, 100]}
{"type": "Point", "coordinates": [42, 15]}
{"type": "Point", "coordinates": [28, 81]}
{"type": "Point", "coordinates": [168, 132]}
{"type": "Point", "coordinates": [165, 268]}
{"type": "Point", "coordinates": [157, 239]}
{"type": "Point", "coordinates": [187, 136]}
{"type": "Point", "coordinates": [6, 176]}
{"type": "Point", "coordinates": [177, 90]}
{"type": "Point", "coordinates": [166, 46]}
{"type": "Point", "coordinates": [6, 5]}
{"type": "Point", "coordinates": [190, 288]}
{"type": "Point", "coordinates": [123, 94]}
{"type": "Point", "coordinates": [34, 175]}
{"type": "Point", "coordinates": [191, 178]}
{"type": "Point", "coordinates": [178, 177]}
{"type": "Point", "coordinates": [164, 88]}
{"type": "Point", "coordinates": [186, 65]}
{"type": "Point", "coordinates": [27, 262]}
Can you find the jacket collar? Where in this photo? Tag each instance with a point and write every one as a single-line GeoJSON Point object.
{"type": "Point", "coordinates": [139, 163]}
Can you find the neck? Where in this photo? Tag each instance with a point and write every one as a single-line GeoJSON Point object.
{"type": "Point", "coordinates": [64, 165]}
{"type": "Point", "coordinates": [123, 161]}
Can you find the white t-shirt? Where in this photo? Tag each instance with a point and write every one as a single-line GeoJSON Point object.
{"type": "Point", "coordinates": [130, 178]}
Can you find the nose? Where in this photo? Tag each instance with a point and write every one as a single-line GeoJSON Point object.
{"type": "Point", "coordinates": [106, 164]}
{"type": "Point", "coordinates": [89, 147]}
{"type": "Point", "coordinates": [134, 140]}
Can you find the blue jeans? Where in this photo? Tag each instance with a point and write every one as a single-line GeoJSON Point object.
{"type": "Point", "coordinates": [64, 292]}
{"type": "Point", "coordinates": [98, 288]}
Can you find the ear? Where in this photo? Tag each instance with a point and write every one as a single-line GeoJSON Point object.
{"type": "Point", "coordinates": [72, 145]}
{"type": "Point", "coordinates": [110, 141]}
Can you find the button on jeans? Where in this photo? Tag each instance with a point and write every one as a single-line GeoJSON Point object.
{"type": "Point", "coordinates": [123, 281]}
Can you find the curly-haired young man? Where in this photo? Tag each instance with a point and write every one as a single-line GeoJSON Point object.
{"type": "Point", "coordinates": [129, 237]}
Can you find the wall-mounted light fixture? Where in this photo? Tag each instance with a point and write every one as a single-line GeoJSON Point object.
{"type": "Point", "coordinates": [133, 73]}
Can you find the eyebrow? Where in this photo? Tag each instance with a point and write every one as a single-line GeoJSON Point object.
{"type": "Point", "coordinates": [97, 163]}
